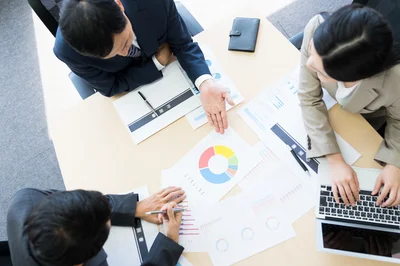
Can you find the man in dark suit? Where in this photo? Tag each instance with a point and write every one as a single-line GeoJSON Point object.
{"type": "Point", "coordinates": [118, 45]}
{"type": "Point", "coordinates": [69, 228]}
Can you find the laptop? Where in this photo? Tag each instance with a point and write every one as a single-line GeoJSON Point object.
{"type": "Point", "coordinates": [364, 231]}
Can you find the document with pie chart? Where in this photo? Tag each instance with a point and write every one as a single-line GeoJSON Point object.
{"type": "Point", "coordinates": [215, 166]}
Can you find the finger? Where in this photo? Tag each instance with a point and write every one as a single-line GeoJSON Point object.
{"type": "Point", "coordinates": [157, 221]}
{"type": "Point", "coordinates": [215, 122]}
{"type": "Point", "coordinates": [169, 190]}
{"type": "Point", "coordinates": [343, 194]}
{"type": "Point", "coordinates": [354, 190]}
{"type": "Point", "coordinates": [173, 195]}
{"type": "Point", "coordinates": [378, 185]}
{"type": "Point", "coordinates": [172, 204]}
{"type": "Point", "coordinates": [171, 215]}
{"type": "Point", "coordinates": [209, 118]}
{"type": "Point", "coordinates": [229, 99]}
{"type": "Point", "coordinates": [160, 217]}
{"type": "Point", "coordinates": [178, 217]}
{"type": "Point", "coordinates": [382, 196]}
{"type": "Point", "coordinates": [335, 193]}
{"type": "Point", "coordinates": [224, 119]}
{"type": "Point", "coordinates": [397, 202]}
{"type": "Point", "coordinates": [349, 194]}
{"type": "Point", "coordinates": [180, 198]}
{"type": "Point", "coordinates": [391, 199]}
{"type": "Point", "coordinates": [356, 180]}
{"type": "Point", "coordinates": [220, 123]}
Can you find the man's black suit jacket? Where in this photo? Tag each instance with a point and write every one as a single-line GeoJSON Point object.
{"type": "Point", "coordinates": [163, 252]}
{"type": "Point", "coordinates": [154, 22]}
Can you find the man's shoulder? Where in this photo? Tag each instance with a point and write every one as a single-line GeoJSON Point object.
{"type": "Point", "coordinates": [21, 206]}
{"type": "Point", "coordinates": [63, 50]}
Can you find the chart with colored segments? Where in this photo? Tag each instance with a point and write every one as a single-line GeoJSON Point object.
{"type": "Point", "coordinates": [212, 175]}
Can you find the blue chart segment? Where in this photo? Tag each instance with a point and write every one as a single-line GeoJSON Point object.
{"type": "Point", "coordinates": [208, 174]}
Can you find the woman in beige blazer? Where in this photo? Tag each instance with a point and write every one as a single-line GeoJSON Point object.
{"type": "Point", "coordinates": [353, 56]}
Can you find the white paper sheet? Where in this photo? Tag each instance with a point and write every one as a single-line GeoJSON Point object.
{"type": "Point", "coordinates": [278, 105]}
{"type": "Point", "coordinates": [214, 166]}
{"type": "Point", "coordinates": [189, 234]}
{"type": "Point", "coordinates": [198, 117]}
{"type": "Point", "coordinates": [121, 246]}
{"type": "Point", "coordinates": [261, 224]}
{"type": "Point", "coordinates": [295, 193]}
{"type": "Point", "coordinates": [171, 96]}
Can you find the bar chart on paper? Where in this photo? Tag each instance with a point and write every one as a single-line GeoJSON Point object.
{"type": "Point", "coordinates": [188, 227]}
{"type": "Point", "coordinates": [189, 234]}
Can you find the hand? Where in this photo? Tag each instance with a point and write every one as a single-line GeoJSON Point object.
{"type": "Point", "coordinates": [171, 221]}
{"type": "Point", "coordinates": [213, 96]}
{"type": "Point", "coordinates": [156, 201]}
{"type": "Point", "coordinates": [163, 54]}
{"type": "Point", "coordinates": [390, 180]}
{"type": "Point", "coordinates": [344, 180]}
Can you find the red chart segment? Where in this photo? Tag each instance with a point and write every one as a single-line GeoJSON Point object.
{"type": "Point", "coordinates": [205, 157]}
{"type": "Point", "coordinates": [214, 175]}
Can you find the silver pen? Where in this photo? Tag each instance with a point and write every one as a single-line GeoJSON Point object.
{"type": "Point", "coordinates": [164, 212]}
{"type": "Point", "coordinates": [147, 103]}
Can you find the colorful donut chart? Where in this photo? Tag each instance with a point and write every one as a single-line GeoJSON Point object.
{"type": "Point", "coordinates": [206, 172]}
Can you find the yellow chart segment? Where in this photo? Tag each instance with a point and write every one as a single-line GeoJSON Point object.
{"type": "Point", "coordinates": [224, 151]}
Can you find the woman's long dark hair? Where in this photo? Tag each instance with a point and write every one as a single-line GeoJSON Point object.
{"type": "Point", "coordinates": [355, 43]}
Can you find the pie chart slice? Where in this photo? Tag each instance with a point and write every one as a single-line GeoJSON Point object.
{"type": "Point", "coordinates": [215, 176]}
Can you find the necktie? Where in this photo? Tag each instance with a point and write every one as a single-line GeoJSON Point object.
{"type": "Point", "coordinates": [134, 52]}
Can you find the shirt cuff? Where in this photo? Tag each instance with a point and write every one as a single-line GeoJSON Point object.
{"type": "Point", "coordinates": [157, 64]}
{"type": "Point", "coordinates": [201, 79]}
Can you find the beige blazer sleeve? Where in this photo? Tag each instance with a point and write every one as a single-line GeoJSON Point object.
{"type": "Point", "coordinates": [322, 140]}
{"type": "Point", "coordinates": [389, 152]}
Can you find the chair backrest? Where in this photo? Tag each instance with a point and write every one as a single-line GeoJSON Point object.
{"type": "Point", "coordinates": [48, 11]}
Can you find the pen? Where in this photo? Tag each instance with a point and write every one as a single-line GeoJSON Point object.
{"type": "Point", "coordinates": [164, 212]}
{"type": "Point", "coordinates": [148, 104]}
{"type": "Point", "coordinates": [299, 161]}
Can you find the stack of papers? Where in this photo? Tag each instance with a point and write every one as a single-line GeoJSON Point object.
{"type": "Point", "coordinates": [275, 116]}
{"type": "Point", "coordinates": [240, 226]}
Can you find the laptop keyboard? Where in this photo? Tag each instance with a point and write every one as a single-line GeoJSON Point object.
{"type": "Point", "coordinates": [365, 209]}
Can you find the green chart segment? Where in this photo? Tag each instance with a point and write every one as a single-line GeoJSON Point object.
{"type": "Point", "coordinates": [206, 172]}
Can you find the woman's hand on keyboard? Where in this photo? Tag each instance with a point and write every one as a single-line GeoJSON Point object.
{"type": "Point", "coordinates": [389, 181]}
{"type": "Point", "coordinates": [344, 180]}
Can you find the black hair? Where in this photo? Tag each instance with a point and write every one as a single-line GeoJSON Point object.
{"type": "Point", "coordinates": [89, 26]}
{"type": "Point", "coordinates": [68, 228]}
{"type": "Point", "coordinates": [355, 43]}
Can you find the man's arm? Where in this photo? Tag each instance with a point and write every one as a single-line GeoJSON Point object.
{"type": "Point", "coordinates": [123, 209]}
{"type": "Point", "coordinates": [188, 53]}
{"type": "Point", "coordinates": [110, 84]}
{"type": "Point", "coordinates": [163, 252]}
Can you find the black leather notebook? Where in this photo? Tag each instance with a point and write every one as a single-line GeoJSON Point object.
{"type": "Point", "coordinates": [244, 34]}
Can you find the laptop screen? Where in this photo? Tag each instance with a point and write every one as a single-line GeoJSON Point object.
{"type": "Point", "coordinates": [361, 240]}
